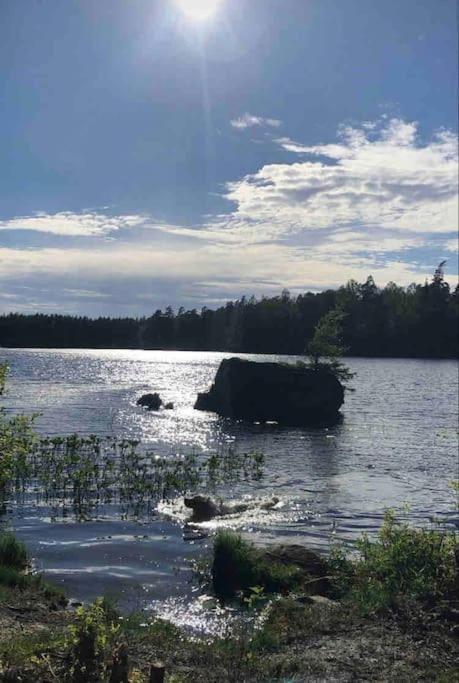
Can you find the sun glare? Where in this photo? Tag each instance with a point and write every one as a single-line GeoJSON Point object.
{"type": "Point", "coordinates": [198, 10]}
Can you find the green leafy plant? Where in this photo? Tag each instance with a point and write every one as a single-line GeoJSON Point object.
{"type": "Point", "coordinates": [13, 553]}
{"type": "Point", "coordinates": [255, 595]}
{"type": "Point", "coordinates": [81, 473]}
{"type": "Point", "coordinates": [403, 563]}
{"type": "Point", "coordinates": [89, 642]}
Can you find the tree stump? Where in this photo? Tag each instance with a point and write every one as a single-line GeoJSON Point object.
{"type": "Point", "coordinates": [120, 666]}
{"type": "Point", "coordinates": [157, 672]}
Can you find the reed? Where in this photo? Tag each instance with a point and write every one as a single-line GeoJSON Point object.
{"type": "Point", "coordinates": [79, 475]}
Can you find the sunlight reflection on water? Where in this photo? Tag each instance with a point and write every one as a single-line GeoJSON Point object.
{"type": "Point", "coordinates": [397, 445]}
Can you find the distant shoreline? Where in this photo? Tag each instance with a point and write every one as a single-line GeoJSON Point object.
{"type": "Point", "coordinates": [419, 321]}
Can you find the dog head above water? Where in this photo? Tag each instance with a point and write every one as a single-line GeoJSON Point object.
{"type": "Point", "coordinates": [204, 508]}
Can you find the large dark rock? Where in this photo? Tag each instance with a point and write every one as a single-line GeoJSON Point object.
{"type": "Point", "coordinates": [150, 401]}
{"type": "Point", "coordinates": [239, 565]}
{"type": "Point", "coordinates": [313, 565]}
{"type": "Point", "coordinates": [287, 394]}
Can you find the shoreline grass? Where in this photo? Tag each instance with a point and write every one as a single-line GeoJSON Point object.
{"type": "Point", "coordinates": [15, 572]}
{"type": "Point", "coordinates": [397, 594]}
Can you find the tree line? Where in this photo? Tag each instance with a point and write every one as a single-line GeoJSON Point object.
{"type": "Point", "coordinates": [415, 321]}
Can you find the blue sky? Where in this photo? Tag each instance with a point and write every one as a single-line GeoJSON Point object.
{"type": "Point", "coordinates": [149, 159]}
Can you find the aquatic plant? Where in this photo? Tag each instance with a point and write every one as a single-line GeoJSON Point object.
{"type": "Point", "coordinates": [82, 474]}
{"type": "Point", "coordinates": [17, 439]}
{"type": "Point", "coordinates": [3, 376]}
{"type": "Point", "coordinates": [454, 485]}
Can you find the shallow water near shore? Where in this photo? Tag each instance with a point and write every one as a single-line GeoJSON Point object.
{"type": "Point", "coordinates": [395, 447]}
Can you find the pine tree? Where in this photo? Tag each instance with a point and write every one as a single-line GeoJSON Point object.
{"type": "Point", "coordinates": [326, 348]}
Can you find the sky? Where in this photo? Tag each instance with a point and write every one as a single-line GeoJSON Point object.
{"type": "Point", "coordinates": [150, 158]}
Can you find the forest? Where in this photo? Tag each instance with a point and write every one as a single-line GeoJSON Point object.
{"type": "Point", "coordinates": [418, 321]}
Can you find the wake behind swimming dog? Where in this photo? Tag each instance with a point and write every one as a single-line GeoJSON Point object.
{"type": "Point", "coordinates": [205, 508]}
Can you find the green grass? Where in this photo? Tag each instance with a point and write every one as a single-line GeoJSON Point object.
{"type": "Point", "coordinates": [29, 648]}
{"type": "Point", "coordinates": [450, 676]}
{"type": "Point", "coordinates": [11, 578]}
{"type": "Point", "coordinates": [13, 563]}
{"type": "Point", "coordinates": [238, 567]}
{"type": "Point", "coordinates": [403, 563]}
{"type": "Point", "coordinates": [13, 553]}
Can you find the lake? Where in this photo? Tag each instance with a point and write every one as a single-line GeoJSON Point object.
{"type": "Point", "coordinates": [397, 446]}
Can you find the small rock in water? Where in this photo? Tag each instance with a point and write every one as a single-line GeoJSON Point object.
{"type": "Point", "coordinates": [194, 535]}
{"type": "Point", "coordinates": [150, 401]}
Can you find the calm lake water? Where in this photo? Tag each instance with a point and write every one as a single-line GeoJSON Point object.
{"type": "Point", "coordinates": [397, 446]}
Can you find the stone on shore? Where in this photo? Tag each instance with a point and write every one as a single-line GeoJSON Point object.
{"type": "Point", "coordinates": [238, 565]}
{"type": "Point", "coordinates": [313, 565]}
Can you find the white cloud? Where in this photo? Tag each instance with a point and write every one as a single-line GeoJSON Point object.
{"type": "Point", "coordinates": [452, 245]}
{"type": "Point", "coordinates": [380, 178]}
{"type": "Point", "coordinates": [289, 266]}
{"type": "Point", "coordinates": [249, 121]}
{"type": "Point", "coordinates": [375, 245]}
{"type": "Point", "coordinates": [376, 191]}
{"type": "Point", "coordinates": [398, 132]}
{"type": "Point", "coordinates": [340, 210]}
{"type": "Point", "coordinates": [66, 223]}
{"type": "Point", "coordinates": [84, 293]}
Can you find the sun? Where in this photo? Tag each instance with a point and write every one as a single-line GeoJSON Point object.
{"type": "Point", "coordinates": [198, 10]}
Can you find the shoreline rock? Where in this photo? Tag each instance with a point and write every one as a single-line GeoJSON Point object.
{"type": "Point", "coordinates": [238, 565]}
